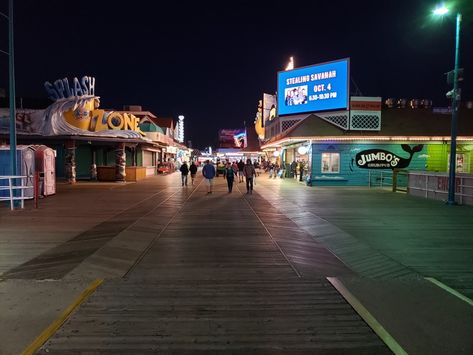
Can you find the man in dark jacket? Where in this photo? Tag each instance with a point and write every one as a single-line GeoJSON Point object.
{"type": "Point", "coordinates": [184, 172]}
{"type": "Point", "coordinates": [241, 165]}
{"type": "Point", "coordinates": [301, 169]}
{"type": "Point", "coordinates": [250, 173]}
{"type": "Point", "coordinates": [229, 174]}
{"type": "Point", "coordinates": [193, 171]}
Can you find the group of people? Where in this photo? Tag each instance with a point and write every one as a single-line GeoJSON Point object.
{"type": "Point", "coordinates": [296, 96]}
{"type": "Point", "coordinates": [185, 170]}
{"type": "Point", "coordinates": [243, 170]}
{"type": "Point", "coordinates": [239, 169]}
{"type": "Point", "coordinates": [298, 168]}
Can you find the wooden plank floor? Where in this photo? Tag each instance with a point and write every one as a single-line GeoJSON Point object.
{"type": "Point", "coordinates": [208, 316]}
{"type": "Point", "coordinates": [56, 262]}
{"type": "Point", "coordinates": [221, 279]}
{"type": "Point", "coordinates": [383, 234]}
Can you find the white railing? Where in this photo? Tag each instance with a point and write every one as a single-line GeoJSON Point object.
{"type": "Point", "coordinates": [14, 186]}
{"type": "Point", "coordinates": [380, 179]}
{"type": "Point", "coordinates": [397, 179]}
{"type": "Point", "coordinates": [435, 186]}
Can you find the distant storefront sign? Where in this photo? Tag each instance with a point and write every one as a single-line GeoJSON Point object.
{"type": "Point", "coordinates": [319, 87]}
{"type": "Point", "coordinates": [232, 138]}
{"type": "Point", "coordinates": [365, 103]}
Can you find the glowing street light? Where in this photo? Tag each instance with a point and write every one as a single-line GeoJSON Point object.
{"type": "Point", "coordinates": [455, 95]}
{"type": "Point", "coordinates": [440, 10]}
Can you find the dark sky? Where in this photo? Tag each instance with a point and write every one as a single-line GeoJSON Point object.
{"type": "Point", "coordinates": [212, 63]}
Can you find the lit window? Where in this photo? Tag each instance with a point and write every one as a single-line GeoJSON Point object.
{"type": "Point", "coordinates": [331, 163]}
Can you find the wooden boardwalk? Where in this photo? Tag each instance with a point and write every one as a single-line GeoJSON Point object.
{"type": "Point", "coordinates": [219, 317]}
{"type": "Point", "coordinates": [381, 234]}
{"type": "Point", "coordinates": [223, 273]}
{"type": "Point", "coordinates": [187, 272]}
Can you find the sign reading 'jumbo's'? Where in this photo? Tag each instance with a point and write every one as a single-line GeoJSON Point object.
{"type": "Point", "coordinates": [383, 159]}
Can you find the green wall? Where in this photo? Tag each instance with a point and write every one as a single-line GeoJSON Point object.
{"type": "Point", "coordinates": [437, 157]}
{"type": "Point", "coordinates": [139, 157]}
{"type": "Point", "coordinates": [83, 161]}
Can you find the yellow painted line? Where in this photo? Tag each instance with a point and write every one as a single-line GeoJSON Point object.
{"type": "Point", "coordinates": [54, 326]}
{"type": "Point", "coordinates": [367, 317]}
{"type": "Point", "coordinates": [450, 290]}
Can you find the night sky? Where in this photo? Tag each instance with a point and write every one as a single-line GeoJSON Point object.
{"type": "Point", "coordinates": [212, 63]}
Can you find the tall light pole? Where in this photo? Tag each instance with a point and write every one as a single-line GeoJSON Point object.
{"type": "Point", "coordinates": [440, 11]}
{"type": "Point", "coordinates": [11, 84]}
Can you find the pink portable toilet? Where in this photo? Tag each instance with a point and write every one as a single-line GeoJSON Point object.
{"type": "Point", "coordinates": [46, 166]}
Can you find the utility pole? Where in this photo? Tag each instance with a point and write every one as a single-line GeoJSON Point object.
{"type": "Point", "coordinates": [11, 71]}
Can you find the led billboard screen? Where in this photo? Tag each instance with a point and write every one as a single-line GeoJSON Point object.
{"type": "Point", "coordinates": [232, 138]}
{"type": "Point", "coordinates": [319, 87]}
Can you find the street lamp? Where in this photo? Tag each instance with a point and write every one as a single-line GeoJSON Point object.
{"type": "Point", "coordinates": [441, 11]}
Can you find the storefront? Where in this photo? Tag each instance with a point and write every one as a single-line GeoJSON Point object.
{"type": "Point", "coordinates": [408, 139]}
{"type": "Point", "coordinates": [235, 155]}
{"type": "Point", "coordinates": [90, 143]}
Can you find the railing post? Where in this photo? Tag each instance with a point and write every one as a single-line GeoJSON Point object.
{"type": "Point", "coordinates": [36, 189]}
{"type": "Point", "coordinates": [23, 191]}
{"type": "Point", "coordinates": [11, 192]}
{"type": "Point", "coordinates": [426, 186]}
{"type": "Point", "coordinates": [395, 180]}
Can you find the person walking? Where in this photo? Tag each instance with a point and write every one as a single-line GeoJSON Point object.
{"type": "Point", "coordinates": [301, 169]}
{"type": "Point", "coordinates": [249, 172]}
{"type": "Point", "coordinates": [276, 170]}
{"type": "Point", "coordinates": [193, 171]}
{"type": "Point", "coordinates": [294, 169]}
{"type": "Point", "coordinates": [184, 172]}
{"type": "Point", "coordinates": [209, 173]}
{"type": "Point", "coordinates": [235, 168]}
{"type": "Point", "coordinates": [241, 165]}
{"type": "Point", "coordinates": [229, 174]}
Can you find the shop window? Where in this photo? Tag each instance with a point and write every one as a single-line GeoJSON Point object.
{"type": "Point", "coordinates": [463, 163]}
{"type": "Point", "coordinates": [331, 163]}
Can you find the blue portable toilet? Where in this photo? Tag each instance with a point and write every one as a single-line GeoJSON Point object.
{"type": "Point", "coordinates": [25, 166]}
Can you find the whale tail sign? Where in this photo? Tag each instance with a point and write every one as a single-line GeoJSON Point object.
{"type": "Point", "coordinates": [383, 159]}
{"type": "Point", "coordinates": [407, 148]}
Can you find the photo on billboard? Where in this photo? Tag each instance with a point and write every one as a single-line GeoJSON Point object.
{"type": "Point", "coordinates": [319, 87]}
{"type": "Point", "coordinates": [232, 138]}
{"type": "Point", "coordinates": [296, 95]}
